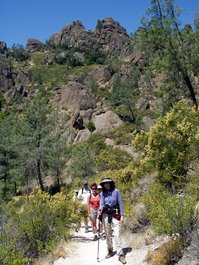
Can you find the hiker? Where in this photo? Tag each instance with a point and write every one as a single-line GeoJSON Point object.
{"type": "Point", "coordinates": [93, 207]}
{"type": "Point", "coordinates": [99, 188]}
{"type": "Point", "coordinates": [112, 216]}
{"type": "Point", "coordinates": [83, 195]}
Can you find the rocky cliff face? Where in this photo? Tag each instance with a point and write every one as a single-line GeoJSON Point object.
{"type": "Point", "coordinates": [109, 35]}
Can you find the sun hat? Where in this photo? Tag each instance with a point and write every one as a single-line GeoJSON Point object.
{"type": "Point", "coordinates": [99, 187]}
{"type": "Point", "coordinates": [106, 180]}
{"type": "Point", "coordinates": [85, 182]}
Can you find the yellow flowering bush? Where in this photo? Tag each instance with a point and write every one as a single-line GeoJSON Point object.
{"type": "Point", "coordinates": [171, 144]}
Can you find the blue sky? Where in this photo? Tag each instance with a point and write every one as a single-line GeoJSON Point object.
{"type": "Point", "coordinates": [23, 19]}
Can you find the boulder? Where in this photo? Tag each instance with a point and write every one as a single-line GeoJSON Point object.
{"type": "Point", "coordinates": [74, 96]}
{"type": "Point", "coordinates": [106, 122]}
{"type": "Point", "coordinates": [147, 123]}
{"type": "Point", "coordinates": [86, 115]}
{"type": "Point", "coordinates": [100, 74]}
{"type": "Point", "coordinates": [34, 45]}
{"type": "Point", "coordinates": [82, 135]}
{"type": "Point", "coordinates": [190, 255]}
{"type": "Point", "coordinates": [139, 220]}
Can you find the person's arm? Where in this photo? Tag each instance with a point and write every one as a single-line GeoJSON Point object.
{"type": "Point", "coordinates": [101, 201]}
{"type": "Point", "coordinates": [88, 203]}
{"type": "Point", "coordinates": [79, 194]}
{"type": "Point", "coordinates": [119, 200]}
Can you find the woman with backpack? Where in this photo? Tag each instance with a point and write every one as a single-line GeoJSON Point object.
{"type": "Point", "coordinates": [93, 207]}
{"type": "Point", "coordinates": [112, 215]}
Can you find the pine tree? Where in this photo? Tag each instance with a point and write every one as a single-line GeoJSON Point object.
{"type": "Point", "coordinates": [164, 44]}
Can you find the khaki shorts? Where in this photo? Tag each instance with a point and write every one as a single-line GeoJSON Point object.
{"type": "Point", "coordinates": [93, 213]}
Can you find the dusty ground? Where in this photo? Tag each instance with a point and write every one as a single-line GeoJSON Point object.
{"type": "Point", "coordinates": [82, 250]}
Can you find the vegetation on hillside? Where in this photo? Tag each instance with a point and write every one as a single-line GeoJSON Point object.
{"type": "Point", "coordinates": [37, 140]}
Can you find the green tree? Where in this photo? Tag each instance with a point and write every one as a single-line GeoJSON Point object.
{"type": "Point", "coordinates": [58, 155]}
{"type": "Point", "coordinates": [82, 164]}
{"type": "Point", "coordinates": [165, 47]}
{"type": "Point", "coordinates": [8, 156]}
{"type": "Point", "coordinates": [125, 92]}
{"type": "Point", "coordinates": [38, 123]}
{"type": "Point", "coordinates": [19, 53]}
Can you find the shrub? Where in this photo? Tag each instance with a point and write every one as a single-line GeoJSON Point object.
{"type": "Point", "coordinates": [171, 145]}
{"type": "Point", "coordinates": [91, 126]}
{"type": "Point", "coordinates": [112, 158]}
{"type": "Point", "coordinates": [95, 56]}
{"type": "Point", "coordinates": [169, 213]}
{"type": "Point", "coordinates": [19, 53]}
{"type": "Point", "coordinates": [35, 226]}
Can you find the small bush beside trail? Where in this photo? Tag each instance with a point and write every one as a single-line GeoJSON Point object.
{"type": "Point", "coordinates": [34, 226]}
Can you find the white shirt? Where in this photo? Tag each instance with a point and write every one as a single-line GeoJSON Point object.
{"type": "Point", "coordinates": [83, 195]}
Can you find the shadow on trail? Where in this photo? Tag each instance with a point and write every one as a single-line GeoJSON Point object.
{"type": "Point", "coordinates": [81, 238]}
{"type": "Point", "coordinates": [127, 250]}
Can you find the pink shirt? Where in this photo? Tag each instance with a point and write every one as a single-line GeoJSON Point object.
{"type": "Point", "coordinates": [94, 201]}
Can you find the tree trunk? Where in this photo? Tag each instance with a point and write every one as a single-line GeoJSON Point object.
{"type": "Point", "coordinates": [188, 83]}
{"type": "Point", "coordinates": [132, 114]}
{"type": "Point", "coordinates": [58, 179]}
{"type": "Point", "coordinates": [39, 175]}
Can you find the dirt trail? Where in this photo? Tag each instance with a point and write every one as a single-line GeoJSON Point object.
{"type": "Point", "coordinates": [83, 250]}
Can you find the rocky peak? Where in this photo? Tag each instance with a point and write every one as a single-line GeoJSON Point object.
{"type": "Point", "coordinates": [76, 35]}
{"type": "Point", "coordinates": [34, 45]}
{"type": "Point", "coordinates": [110, 34]}
{"type": "Point", "coordinates": [3, 46]}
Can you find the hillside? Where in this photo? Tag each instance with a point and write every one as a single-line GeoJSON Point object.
{"type": "Point", "coordinates": [87, 104]}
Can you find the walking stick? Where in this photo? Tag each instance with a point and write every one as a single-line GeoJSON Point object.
{"type": "Point", "coordinates": [98, 240]}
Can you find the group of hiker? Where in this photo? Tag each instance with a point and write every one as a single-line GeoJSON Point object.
{"type": "Point", "coordinates": [102, 204]}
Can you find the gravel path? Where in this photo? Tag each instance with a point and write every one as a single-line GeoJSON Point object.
{"type": "Point", "coordinates": [83, 251]}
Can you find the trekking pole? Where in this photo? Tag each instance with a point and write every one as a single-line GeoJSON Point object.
{"type": "Point", "coordinates": [98, 240]}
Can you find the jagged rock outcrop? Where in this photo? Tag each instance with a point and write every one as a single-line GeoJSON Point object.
{"type": "Point", "coordinates": [74, 96]}
{"type": "Point", "coordinates": [75, 35]}
{"type": "Point", "coordinates": [13, 82]}
{"type": "Point", "coordinates": [3, 46]}
{"type": "Point", "coordinates": [110, 34]}
{"type": "Point", "coordinates": [34, 45]}
{"type": "Point", "coordinates": [6, 77]}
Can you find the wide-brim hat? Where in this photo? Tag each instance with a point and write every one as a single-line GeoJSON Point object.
{"type": "Point", "coordinates": [106, 180]}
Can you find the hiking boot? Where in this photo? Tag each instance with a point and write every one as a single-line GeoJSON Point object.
{"type": "Point", "coordinates": [95, 238]}
{"type": "Point", "coordinates": [110, 254]}
{"type": "Point", "coordinates": [122, 259]}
